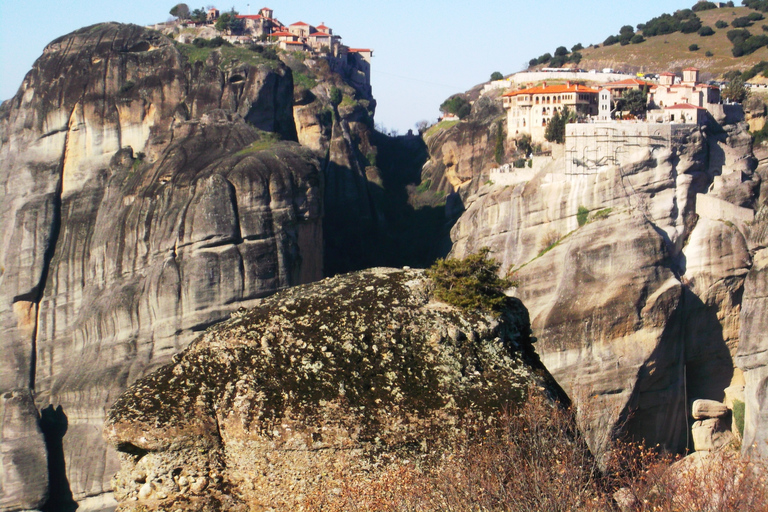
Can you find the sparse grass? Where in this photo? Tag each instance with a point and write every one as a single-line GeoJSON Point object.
{"type": "Point", "coordinates": [303, 80]}
{"type": "Point", "coordinates": [582, 215]}
{"type": "Point", "coordinates": [738, 416]}
{"type": "Point", "coordinates": [266, 141]}
{"type": "Point", "coordinates": [230, 55]}
{"type": "Point", "coordinates": [670, 51]}
{"type": "Point", "coordinates": [602, 214]}
{"type": "Point", "coordinates": [443, 125]}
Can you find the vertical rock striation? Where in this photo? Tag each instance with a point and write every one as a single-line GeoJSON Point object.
{"type": "Point", "coordinates": [141, 200]}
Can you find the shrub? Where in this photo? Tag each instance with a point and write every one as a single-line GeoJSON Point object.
{"type": "Point", "coordinates": [637, 39]}
{"type": "Point", "coordinates": [738, 416]}
{"type": "Point", "coordinates": [471, 283]}
{"type": "Point", "coordinates": [456, 105]}
{"type": "Point", "coordinates": [496, 75]}
{"type": "Point", "coordinates": [577, 47]}
{"type": "Point", "coordinates": [533, 62]}
{"type": "Point", "coordinates": [543, 59]}
{"type": "Point", "coordinates": [270, 53]}
{"type": "Point", "coordinates": [755, 16]}
{"type": "Point", "coordinates": [721, 24]}
{"type": "Point", "coordinates": [703, 5]}
{"type": "Point", "coordinates": [335, 96]}
{"type": "Point", "coordinates": [693, 48]}
{"type": "Point", "coordinates": [741, 22]}
{"type": "Point", "coordinates": [561, 51]}
{"type": "Point", "coordinates": [575, 57]}
{"type": "Point", "coordinates": [611, 40]}
{"type": "Point", "coordinates": [709, 54]}
{"type": "Point", "coordinates": [706, 31]}
{"type": "Point", "coordinates": [581, 215]}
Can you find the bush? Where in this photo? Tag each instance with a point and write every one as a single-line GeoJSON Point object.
{"type": "Point", "coordinates": [721, 24]}
{"type": "Point", "coordinates": [706, 31]}
{"type": "Point", "coordinates": [581, 215]}
{"type": "Point", "coordinates": [741, 22]}
{"type": "Point", "coordinates": [543, 59]}
{"type": "Point", "coordinates": [335, 96]}
{"type": "Point", "coordinates": [533, 62]}
{"type": "Point", "coordinates": [755, 16]}
{"type": "Point", "coordinates": [471, 283]}
{"type": "Point", "coordinates": [496, 75]}
{"type": "Point", "coordinates": [611, 40]}
{"type": "Point", "coordinates": [575, 57]}
{"type": "Point", "coordinates": [703, 5]}
{"type": "Point", "coordinates": [738, 416]}
{"type": "Point", "coordinates": [561, 51]}
{"type": "Point", "coordinates": [693, 48]}
{"type": "Point", "coordinates": [577, 47]}
{"type": "Point", "coordinates": [456, 105]}
{"type": "Point", "coordinates": [637, 39]}
{"type": "Point", "coordinates": [709, 54]}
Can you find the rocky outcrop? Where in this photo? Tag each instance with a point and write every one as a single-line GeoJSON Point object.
{"type": "Point", "coordinates": [144, 197]}
{"type": "Point", "coordinates": [633, 275]}
{"type": "Point", "coordinates": [356, 371]}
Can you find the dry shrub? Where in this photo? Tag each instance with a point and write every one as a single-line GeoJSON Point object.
{"type": "Point", "coordinates": [536, 461]}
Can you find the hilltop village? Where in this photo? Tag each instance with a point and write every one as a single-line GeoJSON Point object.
{"type": "Point", "coordinates": [266, 30]}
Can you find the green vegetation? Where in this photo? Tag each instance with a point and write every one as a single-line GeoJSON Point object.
{"type": "Point", "coordinates": [424, 186]}
{"type": "Point", "coordinates": [456, 105]}
{"type": "Point", "coordinates": [709, 54]}
{"type": "Point", "coordinates": [442, 125]}
{"type": "Point", "coordinates": [229, 55]}
{"type": "Point", "coordinates": [634, 101]}
{"type": "Point", "coordinates": [498, 151]}
{"type": "Point", "coordinates": [471, 283]}
{"type": "Point", "coordinates": [496, 75]}
{"type": "Point", "coordinates": [721, 24]}
{"type": "Point", "coordinates": [229, 22]}
{"type": "Point", "coordinates": [602, 214]}
{"type": "Point", "coordinates": [303, 80]}
{"type": "Point", "coordinates": [736, 90]}
{"type": "Point", "coordinates": [180, 11]}
{"type": "Point", "coordinates": [693, 48]}
{"type": "Point", "coordinates": [335, 96]}
{"type": "Point", "coordinates": [703, 5]}
{"type": "Point", "coordinates": [582, 215]}
{"type": "Point", "coordinates": [555, 131]}
{"type": "Point", "coordinates": [706, 31]}
{"type": "Point", "coordinates": [738, 416]}
{"type": "Point", "coordinates": [758, 5]}
{"type": "Point", "coordinates": [265, 141]}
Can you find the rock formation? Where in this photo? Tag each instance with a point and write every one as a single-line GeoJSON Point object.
{"type": "Point", "coordinates": [143, 198]}
{"type": "Point", "coordinates": [360, 369]}
{"type": "Point", "coordinates": [634, 276]}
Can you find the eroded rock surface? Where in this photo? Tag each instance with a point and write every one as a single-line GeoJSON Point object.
{"type": "Point", "coordinates": [360, 369]}
{"type": "Point", "coordinates": [636, 301]}
{"type": "Point", "coordinates": [142, 199]}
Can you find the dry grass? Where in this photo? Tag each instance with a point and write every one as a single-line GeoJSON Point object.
{"type": "Point", "coordinates": [537, 462]}
{"type": "Point", "coordinates": [670, 52]}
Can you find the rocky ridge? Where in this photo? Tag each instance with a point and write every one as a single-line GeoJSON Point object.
{"type": "Point", "coordinates": [146, 194]}
{"type": "Point", "coordinates": [356, 371]}
{"type": "Point", "coordinates": [635, 279]}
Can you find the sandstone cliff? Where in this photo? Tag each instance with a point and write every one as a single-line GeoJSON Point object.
{"type": "Point", "coordinates": [144, 197]}
{"type": "Point", "coordinates": [634, 276]}
{"type": "Point", "coordinates": [354, 372]}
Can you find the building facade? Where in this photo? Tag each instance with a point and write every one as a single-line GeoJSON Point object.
{"type": "Point", "coordinates": [530, 110]}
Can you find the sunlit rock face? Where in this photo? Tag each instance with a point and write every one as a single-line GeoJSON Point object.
{"type": "Point", "coordinates": [141, 200]}
{"type": "Point", "coordinates": [357, 371]}
{"type": "Point", "coordinates": [633, 275]}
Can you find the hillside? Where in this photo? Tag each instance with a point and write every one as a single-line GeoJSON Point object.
{"type": "Point", "coordinates": [670, 51]}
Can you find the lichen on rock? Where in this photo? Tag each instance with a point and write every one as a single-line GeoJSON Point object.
{"type": "Point", "coordinates": [357, 369]}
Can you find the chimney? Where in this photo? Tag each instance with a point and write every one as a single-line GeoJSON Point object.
{"type": "Point", "coordinates": [577, 87]}
{"type": "Point", "coordinates": [544, 83]}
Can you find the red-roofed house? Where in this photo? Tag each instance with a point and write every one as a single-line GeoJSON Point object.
{"type": "Point", "coordinates": [323, 28]}
{"type": "Point", "coordinates": [301, 29]}
{"type": "Point", "coordinates": [292, 45]}
{"type": "Point", "coordinates": [683, 113]}
{"type": "Point", "coordinates": [317, 40]}
{"type": "Point", "coordinates": [689, 91]}
{"type": "Point", "coordinates": [267, 12]}
{"type": "Point", "coordinates": [530, 110]}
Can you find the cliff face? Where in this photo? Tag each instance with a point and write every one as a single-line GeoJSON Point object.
{"type": "Point", "coordinates": [143, 199]}
{"type": "Point", "coordinates": [634, 276]}
{"type": "Point", "coordinates": [354, 372]}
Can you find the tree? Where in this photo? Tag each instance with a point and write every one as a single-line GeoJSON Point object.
{"type": "Point", "coordinates": [496, 75]}
{"type": "Point", "coordinates": [637, 39]}
{"type": "Point", "coordinates": [561, 51]}
{"type": "Point", "coordinates": [456, 105]}
{"type": "Point", "coordinates": [693, 48]}
{"type": "Point", "coordinates": [422, 126]}
{"type": "Point", "coordinates": [577, 47]}
{"type": "Point", "coordinates": [524, 145]}
{"type": "Point", "coordinates": [199, 15]}
{"type": "Point", "coordinates": [736, 90]}
{"type": "Point", "coordinates": [498, 151]}
{"type": "Point", "coordinates": [180, 11]}
{"type": "Point", "coordinates": [634, 101]}
{"type": "Point", "coordinates": [706, 31]}
{"type": "Point", "coordinates": [721, 24]}
{"type": "Point", "coordinates": [555, 131]}
{"type": "Point", "coordinates": [229, 22]}
{"type": "Point", "coordinates": [335, 96]}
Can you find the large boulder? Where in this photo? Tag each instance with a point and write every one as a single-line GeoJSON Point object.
{"type": "Point", "coordinates": [356, 371]}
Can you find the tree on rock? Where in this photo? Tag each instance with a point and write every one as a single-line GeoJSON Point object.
{"type": "Point", "coordinates": [555, 131]}
{"type": "Point", "coordinates": [180, 11]}
{"type": "Point", "coordinates": [456, 105]}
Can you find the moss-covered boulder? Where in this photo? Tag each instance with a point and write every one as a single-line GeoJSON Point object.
{"type": "Point", "coordinates": [356, 370]}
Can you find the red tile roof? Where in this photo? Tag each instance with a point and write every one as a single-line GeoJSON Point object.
{"type": "Point", "coordinates": [358, 50]}
{"type": "Point", "coordinates": [691, 69]}
{"type": "Point", "coordinates": [294, 42]}
{"type": "Point", "coordinates": [553, 89]}
{"type": "Point", "coordinates": [319, 34]}
{"type": "Point", "coordinates": [628, 81]}
{"type": "Point", "coordinates": [323, 27]}
{"type": "Point", "coordinates": [684, 105]}
{"type": "Point", "coordinates": [249, 16]}
{"type": "Point", "coordinates": [282, 34]}
{"type": "Point", "coordinates": [299, 24]}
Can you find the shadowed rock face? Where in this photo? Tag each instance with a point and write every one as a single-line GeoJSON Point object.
{"type": "Point", "coordinates": [364, 368]}
{"type": "Point", "coordinates": [140, 201]}
{"type": "Point", "coordinates": [637, 306]}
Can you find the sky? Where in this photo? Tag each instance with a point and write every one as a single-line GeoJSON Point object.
{"type": "Point", "coordinates": [423, 50]}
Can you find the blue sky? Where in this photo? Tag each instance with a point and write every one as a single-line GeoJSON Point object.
{"type": "Point", "coordinates": [424, 51]}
